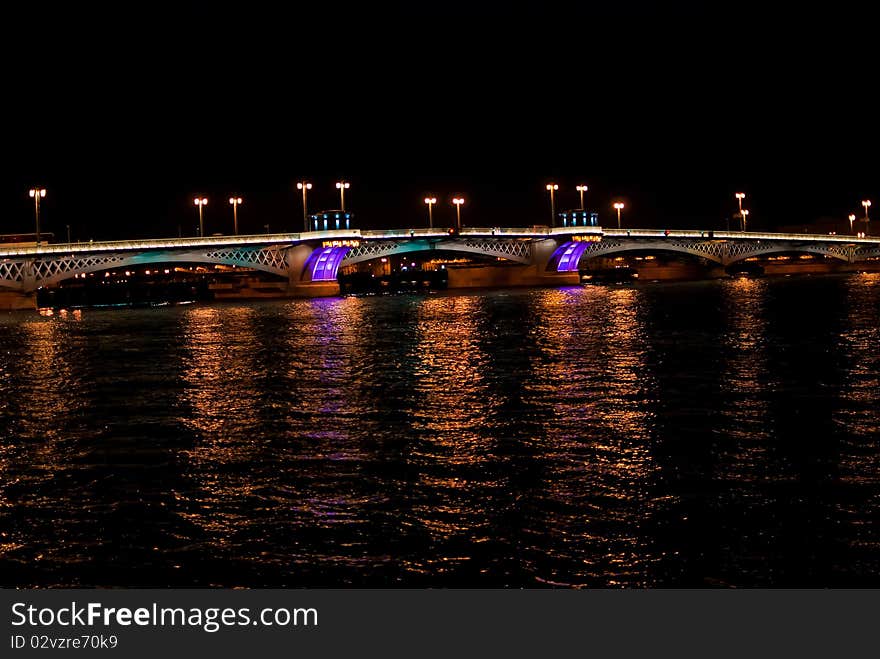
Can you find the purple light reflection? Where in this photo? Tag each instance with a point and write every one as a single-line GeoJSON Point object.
{"type": "Point", "coordinates": [324, 262]}
{"type": "Point", "coordinates": [568, 256]}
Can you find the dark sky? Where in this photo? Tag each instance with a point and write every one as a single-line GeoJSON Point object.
{"type": "Point", "coordinates": [124, 113]}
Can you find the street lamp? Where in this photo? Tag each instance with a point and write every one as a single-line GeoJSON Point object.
{"type": "Point", "coordinates": [867, 204]}
{"type": "Point", "coordinates": [619, 206]}
{"type": "Point", "coordinates": [458, 201]}
{"type": "Point", "coordinates": [582, 189]}
{"type": "Point", "coordinates": [552, 188]}
{"type": "Point", "coordinates": [852, 219]}
{"type": "Point", "coordinates": [235, 201]}
{"type": "Point", "coordinates": [36, 194]}
{"type": "Point", "coordinates": [304, 186]}
{"type": "Point", "coordinates": [430, 201]}
{"type": "Point", "coordinates": [342, 186]}
{"type": "Point", "coordinates": [745, 217]}
{"type": "Point", "coordinates": [201, 202]}
{"type": "Point", "coordinates": [739, 199]}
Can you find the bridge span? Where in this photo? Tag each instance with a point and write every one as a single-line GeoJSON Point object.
{"type": "Point", "coordinates": [310, 261]}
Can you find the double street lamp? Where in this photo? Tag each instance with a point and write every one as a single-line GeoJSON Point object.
{"type": "Point", "coordinates": [458, 201]}
{"type": "Point", "coordinates": [36, 194]}
{"type": "Point", "coordinates": [201, 202]}
{"type": "Point", "coordinates": [852, 219]}
{"type": "Point", "coordinates": [305, 186]}
{"type": "Point", "coordinates": [430, 201]}
{"type": "Point", "coordinates": [581, 190]}
{"type": "Point", "coordinates": [745, 216]}
{"type": "Point", "coordinates": [235, 201]}
{"type": "Point", "coordinates": [552, 188]}
{"type": "Point", "coordinates": [867, 204]}
{"type": "Point", "coordinates": [342, 186]}
{"type": "Point", "coordinates": [619, 207]}
{"type": "Point", "coordinates": [739, 198]}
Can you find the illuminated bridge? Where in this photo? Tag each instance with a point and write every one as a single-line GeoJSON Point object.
{"type": "Point", "coordinates": [310, 261]}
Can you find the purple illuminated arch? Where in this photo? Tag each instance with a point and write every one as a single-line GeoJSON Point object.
{"type": "Point", "coordinates": [324, 262]}
{"type": "Point", "coordinates": [567, 256]}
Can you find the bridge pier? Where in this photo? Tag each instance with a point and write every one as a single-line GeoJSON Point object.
{"type": "Point", "coordinates": [536, 273]}
{"type": "Point", "coordinates": [17, 300]}
{"type": "Point", "coordinates": [314, 289]}
{"type": "Point", "coordinates": [300, 282]}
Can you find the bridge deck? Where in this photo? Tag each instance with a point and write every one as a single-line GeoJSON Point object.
{"type": "Point", "coordinates": [262, 240]}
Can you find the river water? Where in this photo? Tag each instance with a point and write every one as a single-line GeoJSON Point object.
{"type": "Point", "coordinates": [716, 433]}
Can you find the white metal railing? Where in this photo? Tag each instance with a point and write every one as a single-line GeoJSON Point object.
{"type": "Point", "coordinates": [12, 251]}
{"type": "Point", "coordinates": [405, 233]}
{"type": "Point", "coordinates": [175, 243]}
{"type": "Point", "coordinates": [737, 235]}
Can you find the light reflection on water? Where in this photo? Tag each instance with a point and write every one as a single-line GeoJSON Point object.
{"type": "Point", "coordinates": [859, 465]}
{"type": "Point", "coordinates": [709, 433]}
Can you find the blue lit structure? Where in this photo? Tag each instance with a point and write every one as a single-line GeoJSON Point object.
{"type": "Point", "coordinates": [330, 220]}
{"type": "Point", "coordinates": [579, 218]}
{"type": "Point", "coordinates": [567, 256]}
{"type": "Point", "coordinates": [324, 262]}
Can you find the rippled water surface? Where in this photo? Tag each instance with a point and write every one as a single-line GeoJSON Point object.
{"type": "Point", "coordinates": [708, 433]}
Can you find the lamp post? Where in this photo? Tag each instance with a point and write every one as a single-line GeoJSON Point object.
{"type": "Point", "coordinates": [342, 186]}
{"type": "Point", "coordinates": [552, 188]}
{"type": "Point", "coordinates": [619, 207]}
{"type": "Point", "coordinates": [458, 201]}
{"type": "Point", "coordinates": [201, 202]}
{"type": "Point", "coordinates": [235, 201]}
{"type": "Point", "coordinates": [745, 217]}
{"type": "Point", "coordinates": [305, 186]}
{"type": "Point", "coordinates": [430, 201]}
{"type": "Point", "coordinates": [582, 189]}
{"type": "Point", "coordinates": [852, 219]}
{"type": "Point", "coordinates": [867, 204]}
{"type": "Point", "coordinates": [739, 199]}
{"type": "Point", "coordinates": [36, 194]}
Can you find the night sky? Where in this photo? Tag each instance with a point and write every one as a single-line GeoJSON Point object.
{"type": "Point", "coordinates": [125, 113]}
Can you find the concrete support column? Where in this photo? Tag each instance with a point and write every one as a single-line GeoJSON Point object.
{"type": "Point", "coordinates": [11, 300]}
{"type": "Point", "coordinates": [535, 273]}
{"type": "Point", "coordinates": [28, 278]}
{"type": "Point", "coordinates": [300, 282]}
{"type": "Point", "coordinates": [542, 252]}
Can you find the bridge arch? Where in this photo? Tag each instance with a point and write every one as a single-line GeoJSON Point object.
{"type": "Point", "coordinates": [324, 262]}
{"type": "Point", "coordinates": [568, 256]}
{"type": "Point", "coordinates": [30, 275]}
{"type": "Point", "coordinates": [841, 252]}
{"type": "Point", "coordinates": [519, 251]}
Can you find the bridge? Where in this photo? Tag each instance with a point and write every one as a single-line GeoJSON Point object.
{"type": "Point", "coordinates": [310, 261]}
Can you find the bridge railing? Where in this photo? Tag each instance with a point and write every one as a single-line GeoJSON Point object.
{"type": "Point", "coordinates": [175, 243]}
{"type": "Point", "coordinates": [736, 235]}
{"type": "Point", "coordinates": [405, 233]}
{"type": "Point", "coordinates": [57, 249]}
{"type": "Point", "coordinates": [531, 231]}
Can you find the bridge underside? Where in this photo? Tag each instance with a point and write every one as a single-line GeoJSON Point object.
{"type": "Point", "coordinates": [517, 251]}
{"type": "Point", "coordinates": [27, 276]}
